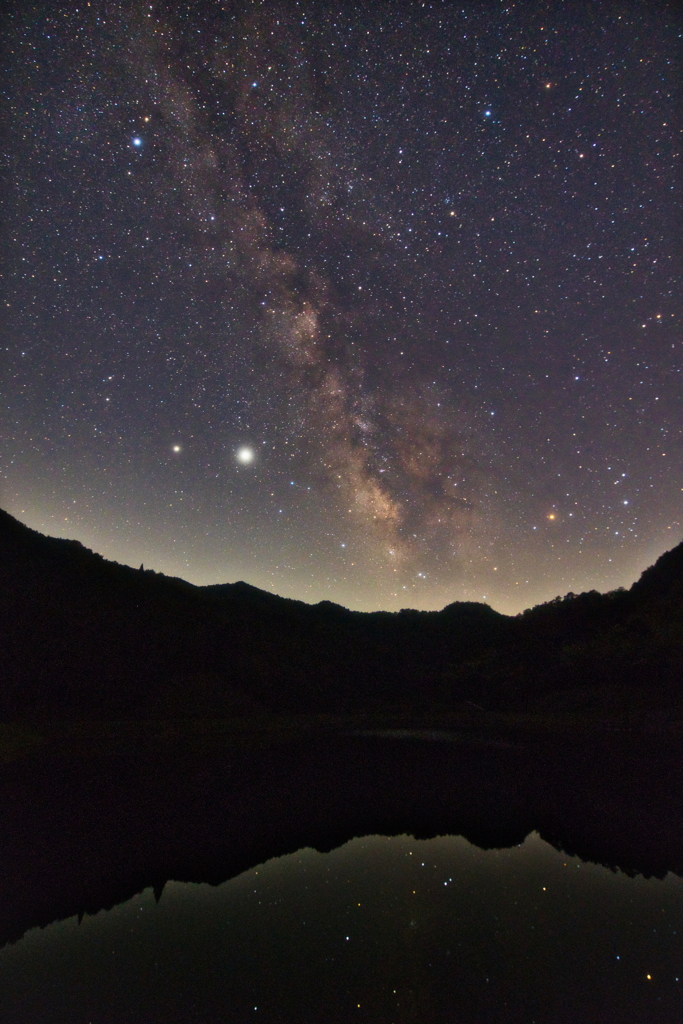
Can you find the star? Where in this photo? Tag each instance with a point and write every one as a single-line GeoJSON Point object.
{"type": "Point", "coordinates": [245, 455]}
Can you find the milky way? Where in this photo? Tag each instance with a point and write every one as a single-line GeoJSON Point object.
{"type": "Point", "coordinates": [383, 450]}
{"type": "Point", "coordinates": [418, 264]}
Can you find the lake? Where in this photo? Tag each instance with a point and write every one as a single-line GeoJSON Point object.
{"type": "Point", "coordinates": [382, 929]}
{"type": "Point", "coordinates": [366, 927]}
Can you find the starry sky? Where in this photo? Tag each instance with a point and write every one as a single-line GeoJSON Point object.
{"type": "Point", "coordinates": [378, 304]}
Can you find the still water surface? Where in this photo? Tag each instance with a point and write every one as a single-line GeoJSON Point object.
{"type": "Point", "coordinates": [382, 929]}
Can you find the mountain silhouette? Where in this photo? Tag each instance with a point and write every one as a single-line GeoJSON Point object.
{"type": "Point", "coordinates": [81, 636]}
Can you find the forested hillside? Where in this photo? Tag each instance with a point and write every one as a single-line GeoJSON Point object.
{"type": "Point", "coordinates": [84, 637]}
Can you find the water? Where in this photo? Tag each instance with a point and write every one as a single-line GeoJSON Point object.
{"type": "Point", "coordinates": [378, 930]}
{"type": "Point", "coordinates": [496, 925]}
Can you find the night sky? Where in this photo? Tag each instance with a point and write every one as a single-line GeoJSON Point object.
{"type": "Point", "coordinates": [377, 303]}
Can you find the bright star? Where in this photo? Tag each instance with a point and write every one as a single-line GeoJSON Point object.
{"type": "Point", "coordinates": [245, 455]}
{"type": "Point", "coordinates": [487, 113]}
{"type": "Point", "coordinates": [137, 141]}
{"type": "Point", "coordinates": [176, 448]}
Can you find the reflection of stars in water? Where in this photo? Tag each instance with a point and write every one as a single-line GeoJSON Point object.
{"type": "Point", "coordinates": [245, 455]}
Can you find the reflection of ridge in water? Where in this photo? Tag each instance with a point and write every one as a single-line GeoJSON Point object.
{"type": "Point", "coordinates": [378, 930]}
{"type": "Point", "coordinates": [84, 833]}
